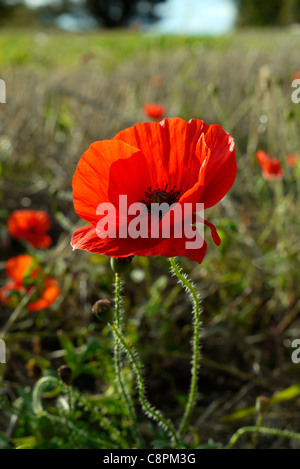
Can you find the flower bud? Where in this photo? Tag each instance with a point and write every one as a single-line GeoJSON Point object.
{"type": "Point", "coordinates": [101, 306]}
{"type": "Point", "coordinates": [262, 404]}
{"type": "Point", "coordinates": [33, 370]}
{"type": "Point", "coordinates": [65, 374]}
{"type": "Point", "coordinates": [120, 264]}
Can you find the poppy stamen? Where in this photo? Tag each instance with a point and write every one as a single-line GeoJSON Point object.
{"type": "Point", "coordinates": [159, 196]}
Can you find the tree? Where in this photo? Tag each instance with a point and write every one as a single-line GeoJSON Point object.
{"type": "Point", "coordinates": [268, 12]}
{"type": "Point", "coordinates": [16, 13]}
{"type": "Point", "coordinates": [117, 13]}
{"type": "Point", "coordinates": [5, 11]}
{"type": "Point", "coordinates": [108, 13]}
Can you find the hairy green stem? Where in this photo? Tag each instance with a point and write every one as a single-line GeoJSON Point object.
{"type": "Point", "coordinates": [37, 391]}
{"type": "Point", "coordinates": [118, 299]}
{"type": "Point", "coordinates": [117, 360]}
{"type": "Point", "coordinates": [58, 386]}
{"type": "Point", "coordinates": [103, 421]}
{"type": "Point", "coordinates": [264, 431]}
{"type": "Point", "coordinates": [182, 278]}
{"type": "Point", "coordinates": [148, 408]}
{"type": "Point", "coordinates": [81, 433]}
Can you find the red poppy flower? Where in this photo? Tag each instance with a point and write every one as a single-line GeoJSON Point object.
{"type": "Point", "coordinates": [154, 110]}
{"type": "Point", "coordinates": [157, 80]}
{"type": "Point", "coordinates": [262, 157]}
{"type": "Point", "coordinates": [271, 167]}
{"type": "Point", "coordinates": [26, 274]}
{"type": "Point", "coordinates": [46, 296]}
{"type": "Point", "coordinates": [22, 267]}
{"type": "Point", "coordinates": [173, 161]}
{"type": "Point", "coordinates": [31, 226]}
{"type": "Point", "coordinates": [295, 75]}
{"type": "Point", "coordinates": [291, 159]}
{"type": "Point", "coordinates": [11, 294]}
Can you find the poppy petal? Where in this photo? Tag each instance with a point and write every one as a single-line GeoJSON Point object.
{"type": "Point", "coordinates": [262, 157]}
{"type": "Point", "coordinates": [19, 267]}
{"type": "Point", "coordinates": [154, 110]}
{"type": "Point", "coordinates": [48, 296]}
{"type": "Point", "coordinates": [214, 233]}
{"type": "Point", "coordinates": [221, 169]}
{"type": "Point", "coordinates": [86, 238]}
{"type": "Point", "coordinates": [169, 148]}
{"type": "Point", "coordinates": [151, 162]}
{"type": "Point", "coordinates": [175, 247]}
{"type": "Point", "coordinates": [194, 194]}
{"type": "Point", "coordinates": [31, 226]}
{"type": "Point", "coordinates": [105, 170]}
{"type": "Point", "coordinates": [41, 241]}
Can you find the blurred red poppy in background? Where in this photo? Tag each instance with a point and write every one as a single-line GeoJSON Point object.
{"type": "Point", "coordinates": [154, 111]}
{"type": "Point", "coordinates": [11, 294]}
{"type": "Point", "coordinates": [295, 75]}
{"type": "Point", "coordinates": [173, 161]}
{"type": "Point", "coordinates": [47, 295]}
{"type": "Point", "coordinates": [157, 80]}
{"type": "Point", "coordinates": [26, 277]}
{"type": "Point", "coordinates": [262, 157]}
{"type": "Point", "coordinates": [22, 267]}
{"type": "Point", "coordinates": [31, 226]}
{"type": "Point", "coordinates": [292, 159]}
{"type": "Point", "coordinates": [271, 167]}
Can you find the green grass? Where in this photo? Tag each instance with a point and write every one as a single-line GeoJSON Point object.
{"type": "Point", "coordinates": [44, 48]}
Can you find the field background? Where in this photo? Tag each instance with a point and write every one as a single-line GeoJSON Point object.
{"type": "Point", "coordinates": [65, 91]}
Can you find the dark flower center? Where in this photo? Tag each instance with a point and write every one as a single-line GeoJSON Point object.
{"type": "Point", "coordinates": [159, 196]}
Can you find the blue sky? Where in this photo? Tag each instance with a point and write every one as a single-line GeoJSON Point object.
{"type": "Point", "coordinates": [196, 16]}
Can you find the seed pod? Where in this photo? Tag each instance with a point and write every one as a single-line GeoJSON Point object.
{"type": "Point", "coordinates": [101, 306]}
{"type": "Point", "coordinates": [65, 374]}
{"type": "Point", "coordinates": [120, 264]}
{"type": "Point", "coordinates": [262, 404]}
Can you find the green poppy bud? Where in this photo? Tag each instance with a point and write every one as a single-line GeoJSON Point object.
{"type": "Point", "coordinates": [120, 264]}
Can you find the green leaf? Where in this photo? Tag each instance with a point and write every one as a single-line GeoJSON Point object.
{"type": "Point", "coordinates": [287, 394]}
{"type": "Point", "coordinates": [26, 442]}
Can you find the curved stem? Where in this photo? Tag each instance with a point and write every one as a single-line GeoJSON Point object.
{"type": "Point", "coordinates": [196, 343]}
{"type": "Point", "coordinates": [264, 431]}
{"type": "Point", "coordinates": [37, 391]}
